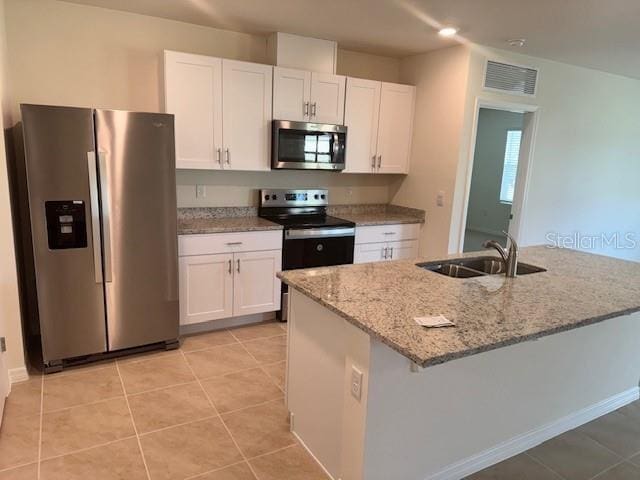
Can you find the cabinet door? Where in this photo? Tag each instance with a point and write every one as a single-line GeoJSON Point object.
{"type": "Point", "coordinates": [370, 252]}
{"type": "Point", "coordinates": [206, 288]}
{"type": "Point", "coordinates": [256, 287]}
{"type": "Point", "coordinates": [327, 98]}
{"type": "Point", "coordinates": [193, 93]}
{"type": "Point", "coordinates": [362, 109]}
{"type": "Point", "coordinates": [395, 127]}
{"type": "Point", "coordinates": [403, 250]}
{"type": "Point", "coordinates": [291, 94]}
{"type": "Point", "coordinates": [246, 114]}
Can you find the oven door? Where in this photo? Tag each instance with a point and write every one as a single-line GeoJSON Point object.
{"type": "Point", "coordinates": [303, 145]}
{"type": "Point", "coordinates": [307, 248]}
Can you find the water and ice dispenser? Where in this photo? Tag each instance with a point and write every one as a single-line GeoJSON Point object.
{"type": "Point", "coordinates": [66, 224]}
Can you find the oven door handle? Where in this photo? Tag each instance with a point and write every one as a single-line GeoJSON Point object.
{"type": "Point", "coordinates": [302, 233]}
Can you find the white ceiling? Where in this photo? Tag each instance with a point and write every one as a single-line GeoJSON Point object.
{"type": "Point", "coordinates": [601, 34]}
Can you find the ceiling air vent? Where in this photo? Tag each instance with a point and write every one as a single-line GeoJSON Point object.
{"type": "Point", "coordinates": [512, 79]}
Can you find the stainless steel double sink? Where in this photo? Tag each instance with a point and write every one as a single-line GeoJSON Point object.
{"type": "Point", "coordinates": [475, 267]}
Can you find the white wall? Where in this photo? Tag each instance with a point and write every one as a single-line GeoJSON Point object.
{"type": "Point", "coordinates": [81, 55]}
{"type": "Point", "coordinates": [586, 162]}
{"type": "Point", "coordinates": [9, 301]}
{"type": "Point", "coordinates": [441, 81]}
{"type": "Point", "coordinates": [486, 213]}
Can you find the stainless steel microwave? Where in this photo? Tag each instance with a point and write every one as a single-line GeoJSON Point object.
{"type": "Point", "coordinates": [305, 145]}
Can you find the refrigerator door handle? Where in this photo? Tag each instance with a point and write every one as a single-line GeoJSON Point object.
{"type": "Point", "coordinates": [106, 215]}
{"type": "Point", "coordinates": [95, 216]}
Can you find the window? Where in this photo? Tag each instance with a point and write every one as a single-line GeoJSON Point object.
{"type": "Point", "coordinates": [510, 169]}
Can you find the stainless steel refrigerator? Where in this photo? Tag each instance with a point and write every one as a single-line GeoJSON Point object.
{"type": "Point", "coordinates": [102, 207]}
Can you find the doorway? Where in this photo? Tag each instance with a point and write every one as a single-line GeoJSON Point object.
{"type": "Point", "coordinates": [499, 172]}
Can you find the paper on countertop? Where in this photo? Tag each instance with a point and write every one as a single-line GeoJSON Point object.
{"type": "Point", "coordinates": [434, 321]}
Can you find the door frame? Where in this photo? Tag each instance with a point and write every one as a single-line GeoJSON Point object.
{"type": "Point", "coordinates": [525, 161]}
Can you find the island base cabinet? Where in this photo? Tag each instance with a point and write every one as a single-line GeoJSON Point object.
{"type": "Point", "coordinates": [206, 288]}
{"type": "Point", "coordinates": [256, 288]}
{"type": "Point", "coordinates": [450, 420]}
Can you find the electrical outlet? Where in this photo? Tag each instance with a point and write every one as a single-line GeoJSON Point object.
{"type": "Point", "coordinates": [201, 191]}
{"type": "Point", "coordinates": [356, 383]}
{"type": "Point", "coordinates": [440, 198]}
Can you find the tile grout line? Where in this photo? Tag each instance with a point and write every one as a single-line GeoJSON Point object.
{"type": "Point", "coordinates": [262, 365]}
{"type": "Point", "coordinates": [208, 417]}
{"type": "Point", "coordinates": [133, 422]}
{"type": "Point", "coordinates": [251, 406]}
{"type": "Point", "coordinates": [95, 402]}
{"type": "Point", "coordinates": [40, 430]}
{"type": "Point", "coordinates": [219, 416]}
{"type": "Point", "coordinates": [80, 450]}
{"type": "Point", "coordinates": [541, 463]}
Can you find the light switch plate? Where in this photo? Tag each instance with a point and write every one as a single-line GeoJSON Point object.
{"type": "Point", "coordinates": [356, 383]}
{"type": "Point", "coordinates": [201, 191]}
{"type": "Point", "coordinates": [440, 198]}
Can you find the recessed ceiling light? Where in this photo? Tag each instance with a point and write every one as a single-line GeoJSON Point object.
{"type": "Point", "coordinates": [448, 31]}
{"type": "Point", "coordinates": [517, 42]}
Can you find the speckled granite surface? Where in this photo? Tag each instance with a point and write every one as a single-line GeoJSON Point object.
{"type": "Point", "coordinates": [245, 219]}
{"type": "Point", "coordinates": [490, 312]}
{"type": "Point", "coordinates": [193, 226]}
{"type": "Point", "coordinates": [377, 214]}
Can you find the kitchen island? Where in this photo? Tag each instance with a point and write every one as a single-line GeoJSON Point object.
{"type": "Point", "coordinates": [375, 396]}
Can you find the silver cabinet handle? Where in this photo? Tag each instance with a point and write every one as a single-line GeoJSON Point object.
{"type": "Point", "coordinates": [238, 265]}
{"type": "Point", "coordinates": [313, 109]}
{"type": "Point", "coordinates": [231, 244]}
{"type": "Point", "coordinates": [389, 233]}
{"type": "Point", "coordinates": [228, 154]}
{"type": "Point", "coordinates": [218, 156]}
{"type": "Point", "coordinates": [385, 251]}
{"type": "Point", "coordinates": [95, 216]}
{"type": "Point", "coordinates": [373, 162]}
{"type": "Point", "coordinates": [379, 161]}
{"type": "Point", "coordinates": [230, 271]}
{"type": "Point", "coordinates": [391, 253]}
{"type": "Point", "coordinates": [305, 109]}
{"type": "Point", "coordinates": [106, 215]}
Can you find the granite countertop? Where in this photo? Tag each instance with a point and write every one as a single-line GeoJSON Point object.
{"type": "Point", "coordinates": [204, 220]}
{"type": "Point", "coordinates": [490, 312]}
{"type": "Point", "coordinates": [190, 226]}
{"type": "Point", "coordinates": [365, 215]}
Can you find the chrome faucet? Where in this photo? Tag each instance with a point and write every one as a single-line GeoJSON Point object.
{"type": "Point", "coordinates": [510, 257]}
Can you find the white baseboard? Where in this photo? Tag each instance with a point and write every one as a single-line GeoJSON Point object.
{"type": "Point", "coordinates": [19, 374]}
{"type": "Point", "coordinates": [313, 456]}
{"type": "Point", "coordinates": [534, 437]}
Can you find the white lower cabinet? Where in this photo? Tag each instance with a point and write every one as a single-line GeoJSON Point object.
{"type": "Point", "coordinates": [206, 288]}
{"type": "Point", "coordinates": [223, 285]}
{"type": "Point", "coordinates": [404, 245]}
{"type": "Point", "coordinates": [256, 288]}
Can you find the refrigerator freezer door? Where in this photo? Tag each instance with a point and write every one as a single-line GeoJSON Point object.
{"type": "Point", "coordinates": [59, 146]}
{"type": "Point", "coordinates": [136, 155]}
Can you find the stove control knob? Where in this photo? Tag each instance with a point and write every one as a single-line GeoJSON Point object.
{"type": "Point", "coordinates": [323, 196]}
{"type": "Point", "coordinates": [316, 196]}
{"type": "Point", "coordinates": [274, 197]}
{"type": "Point", "coordinates": [266, 197]}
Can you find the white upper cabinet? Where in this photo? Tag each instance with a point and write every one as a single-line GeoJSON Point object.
{"type": "Point", "coordinates": [361, 115]}
{"type": "Point", "coordinates": [246, 112]}
{"type": "Point", "coordinates": [193, 93]}
{"type": "Point", "coordinates": [291, 94]}
{"type": "Point", "coordinates": [379, 117]}
{"type": "Point", "coordinates": [327, 98]}
{"type": "Point", "coordinates": [304, 96]}
{"type": "Point", "coordinates": [395, 127]}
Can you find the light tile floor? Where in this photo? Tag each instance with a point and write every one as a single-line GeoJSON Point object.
{"type": "Point", "coordinates": [607, 448]}
{"type": "Point", "coordinates": [212, 410]}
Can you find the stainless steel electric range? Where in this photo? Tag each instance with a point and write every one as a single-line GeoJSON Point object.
{"type": "Point", "coordinates": [311, 237]}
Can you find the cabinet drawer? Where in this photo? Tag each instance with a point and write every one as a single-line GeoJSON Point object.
{"type": "Point", "coordinates": [387, 233]}
{"type": "Point", "coordinates": [209, 244]}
